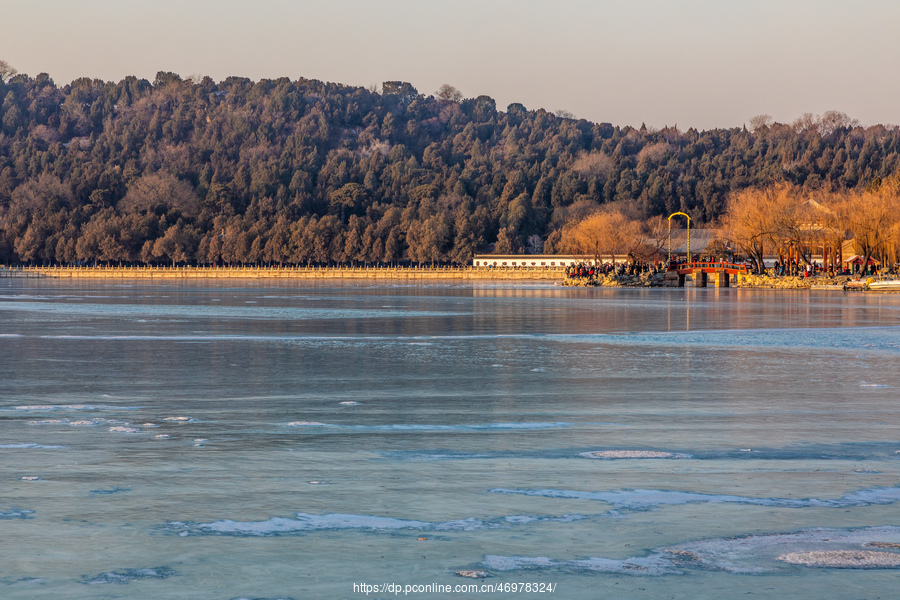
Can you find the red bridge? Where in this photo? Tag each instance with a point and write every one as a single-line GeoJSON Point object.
{"type": "Point", "coordinates": [700, 272]}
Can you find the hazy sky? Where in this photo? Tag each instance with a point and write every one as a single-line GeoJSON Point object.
{"type": "Point", "coordinates": [694, 63]}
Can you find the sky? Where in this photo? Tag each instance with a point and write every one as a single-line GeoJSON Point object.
{"type": "Point", "coordinates": [690, 63]}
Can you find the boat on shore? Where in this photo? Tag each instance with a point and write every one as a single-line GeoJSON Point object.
{"type": "Point", "coordinates": [885, 285]}
{"type": "Point", "coordinates": [856, 284]}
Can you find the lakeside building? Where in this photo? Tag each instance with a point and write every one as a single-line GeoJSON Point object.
{"type": "Point", "coordinates": [535, 261]}
{"type": "Point", "coordinates": [702, 240]}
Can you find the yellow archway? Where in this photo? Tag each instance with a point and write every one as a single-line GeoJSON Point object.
{"type": "Point", "coordinates": [688, 217]}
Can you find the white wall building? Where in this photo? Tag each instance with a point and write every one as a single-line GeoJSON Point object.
{"type": "Point", "coordinates": [534, 261]}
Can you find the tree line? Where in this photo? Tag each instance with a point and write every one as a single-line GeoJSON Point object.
{"type": "Point", "coordinates": [757, 223]}
{"type": "Point", "coordinates": [765, 222]}
{"type": "Point", "coordinates": [279, 171]}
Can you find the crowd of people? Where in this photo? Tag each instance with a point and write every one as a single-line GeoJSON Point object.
{"type": "Point", "coordinates": [589, 271]}
{"type": "Point", "coordinates": [779, 269]}
{"type": "Point", "coordinates": [812, 269]}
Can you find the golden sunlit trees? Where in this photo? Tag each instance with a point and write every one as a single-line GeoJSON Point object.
{"type": "Point", "coordinates": [782, 217]}
{"type": "Point", "coordinates": [802, 223]}
{"type": "Point", "coordinates": [872, 219]}
{"type": "Point", "coordinates": [604, 235]}
{"type": "Point", "coordinates": [775, 219]}
{"type": "Point", "coordinates": [750, 222]}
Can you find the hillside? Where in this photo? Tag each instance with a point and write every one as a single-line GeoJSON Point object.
{"type": "Point", "coordinates": [280, 171]}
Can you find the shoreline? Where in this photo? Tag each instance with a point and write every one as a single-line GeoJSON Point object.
{"type": "Point", "coordinates": [305, 273]}
{"type": "Point", "coordinates": [548, 274]}
{"type": "Point", "coordinates": [748, 281]}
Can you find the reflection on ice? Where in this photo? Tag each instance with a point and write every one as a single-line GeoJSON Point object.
{"type": "Point", "coordinates": [77, 422]}
{"type": "Point", "coordinates": [521, 519]}
{"type": "Point", "coordinates": [67, 407]}
{"type": "Point", "coordinates": [750, 555]}
{"type": "Point", "coordinates": [304, 523]}
{"type": "Point", "coordinates": [14, 580]}
{"type": "Point", "coordinates": [113, 490]}
{"type": "Point", "coordinates": [646, 499]}
{"type": "Point", "coordinates": [129, 575]}
{"type": "Point", "coordinates": [414, 427]}
{"type": "Point", "coordinates": [29, 445]}
{"type": "Point", "coordinates": [434, 455]}
{"type": "Point", "coordinates": [308, 523]}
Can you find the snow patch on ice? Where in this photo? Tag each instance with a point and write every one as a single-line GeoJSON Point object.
{"type": "Point", "coordinates": [303, 523]}
{"type": "Point", "coordinates": [613, 454]}
{"type": "Point", "coordinates": [844, 559]}
{"type": "Point", "coordinates": [748, 555]}
{"type": "Point", "coordinates": [128, 575]}
{"type": "Point", "coordinates": [67, 407]}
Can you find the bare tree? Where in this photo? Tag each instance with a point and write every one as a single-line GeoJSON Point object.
{"type": "Point", "coordinates": [832, 121]}
{"type": "Point", "coordinates": [654, 235]}
{"type": "Point", "coordinates": [594, 164]}
{"type": "Point", "coordinates": [195, 78]}
{"type": "Point", "coordinates": [760, 122]}
{"type": "Point", "coordinates": [824, 124]}
{"type": "Point", "coordinates": [654, 153]}
{"type": "Point", "coordinates": [448, 93]}
{"type": "Point", "coordinates": [806, 123]}
{"type": "Point", "coordinates": [159, 190]}
{"type": "Point", "coordinates": [7, 71]}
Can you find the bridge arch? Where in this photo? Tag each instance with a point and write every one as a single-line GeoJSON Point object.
{"type": "Point", "coordinates": [688, 217]}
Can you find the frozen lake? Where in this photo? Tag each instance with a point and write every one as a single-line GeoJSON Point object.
{"type": "Point", "coordinates": [287, 440]}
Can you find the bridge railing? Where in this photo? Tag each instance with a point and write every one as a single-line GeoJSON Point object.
{"type": "Point", "coordinates": [717, 265]}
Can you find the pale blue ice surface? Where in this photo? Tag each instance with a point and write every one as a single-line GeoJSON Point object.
{"type": "Point", "coordinates": [413, 403]}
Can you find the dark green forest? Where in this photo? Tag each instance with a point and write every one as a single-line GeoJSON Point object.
{"type": "Point", "coordinates": [307, 172]}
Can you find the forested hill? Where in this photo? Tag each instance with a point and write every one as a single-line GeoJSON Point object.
{"type": "Point", "coordinates": [303, 171]}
